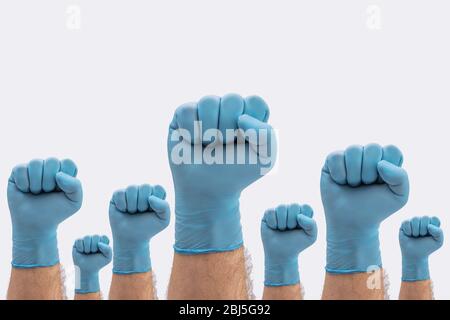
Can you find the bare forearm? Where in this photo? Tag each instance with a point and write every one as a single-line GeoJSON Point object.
{"type": "Point", "coordinates": [215, 276]}
{"type": "Point", "coordinates": [36, 284]}
{"type": "Point", "coordinates": [416, 290]}
{"type": "Point", "coordinates": [137, 286]}
{"type": "Point", "coordinates": [88, 296]}
{"type": "Point", "coordinates": [358, 286]}
{"type": "Point", "coordinates": [283, 293]}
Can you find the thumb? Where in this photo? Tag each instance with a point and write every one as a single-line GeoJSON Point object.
{"type": "Point", "coordinates": [70, 186]}
{"type": "Point", "coordinates": [248, 123]}
{"type": "Point", "coordinates": [160, 206]}
{"type": "Point", "coordinates": [436, 233]}
{"type": "Point", "coordinates": [105, 250]}
{"type": "Point", "coordinates": [308, 225]}
{"type": "Point", "coordinates": [396, 177]}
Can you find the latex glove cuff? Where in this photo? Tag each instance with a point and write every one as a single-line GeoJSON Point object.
{"type": "Point", "coordinates": [35, 253]}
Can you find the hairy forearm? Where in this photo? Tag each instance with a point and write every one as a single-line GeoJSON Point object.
{"type": "Point", "coordinates": [88, 296]}
{"type": "Point", "coordinates": [36, 284]}
{"type": "Point", "coordinates": [215, 276]}
{"type": "Point", "coordinates": [416, 290]}
{"type": "Point", "coordinates": [357, 286]}
{"type": "Point", "coordinates": [283, 293]}
{"type": "Point", "coordinates": [138, 286]}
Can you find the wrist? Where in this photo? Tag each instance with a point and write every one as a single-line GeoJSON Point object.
{"type": "Point", "coordinates": [347, 255]}
{"type": "Point", "coordinates": [86, 282]}
{"type": "Point", "coordinates": [129, 260]}
{"type": "Point", "coordinates": [284, 274]}
{"type": "Point", "coordinates": [208, 229]}
{"type": "Point", "coordinates": [35, 252]}
{"type": "Point", "coordinates": [415, 269]}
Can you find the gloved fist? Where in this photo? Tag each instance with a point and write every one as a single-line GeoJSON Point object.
{"type": "Point", "coordinates": [360, 187]}
{"type": "Point", "coordinates": [90, 254]}
{"type": "Point", "coordinates": [419, 238]}
{"type": "Point", "coordinates": [41, 195]}
{"type": "Point", "coordinates": [286, 231]}
{"type": "Point", "coordinates": [136, 214]}
{"type": "Point", "coordinates": [210, 169]}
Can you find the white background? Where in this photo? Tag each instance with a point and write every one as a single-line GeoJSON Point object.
{"type": "Point", "coordinates": [332, 72]}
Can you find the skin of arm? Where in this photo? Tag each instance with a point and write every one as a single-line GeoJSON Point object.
{"type": "Point", "coordinates": [285, 231]}
{"type": "Point", "coordinates": [419, 238]}
{"type": "Point", "coordinates": [41, 195]}
{"type": "Point", "coordinates": [208, 234]}
{"type": "Point", "coordinates": [136, 215]}
{"type": "Point", "coordinates": [219, 269]}
{"type": "Point", "coordinates": [36, 284]}
{"type": "Point", "coordinates": [360, 188]}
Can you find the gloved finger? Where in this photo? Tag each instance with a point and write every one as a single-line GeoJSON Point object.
{"type": "Point", "coordinates": [159, 192]}
{"type": "Point", "coordinates": [120, 200]}
{"type": "Point", "coordinates": [69, 167]}
{"type": "Point", "coordinates": [104, 239]}
{"type": "Point", "coordinates": [208, 115]}
{"type": "Point", "coordinates": [70, 186]}
{"type": "Point", "coordinates": [35, 170]}
{"type": "Point", "coordinates": [424, 222]}
{"type": "Point", "coordinates": [160, 207]}
{"type": "Point", "coordinates": [87, 244]}
{"type": "Point", "coordinates": [353, 165]}
{"type": "Point", "coordinates": [105, 250]}
{"type": "Point", "coordinates": [395, 177]}
{"type": "Point", "coordinates": [415, 227]}
{"type": "Point", "coordinates": [95, 239]}
{"type": "Point", "coordinates": [281, 214]}
{"type": "Point", "coordinates": [186, 122]}
{"type": "Point", "coordinates": [308, 225]}
{"type": "Point", "coordinates": [256, 108]}
{"type": "Point", "coordinates": [231, 108]}
{"type": "Point", "coordinates": [144, 192]}
{"type": "Point", "coordinates": [20, 178]}
{"type": "Point", "coordinates": [79, 245]}
{"type": "Point", "coordinates": [51, 168]}
{"type": "Point", "coordinates": [406, 228]}
{"type": "Point", "coordinates": [393, 155]}
{"type": "Point", "coordinates": [336, 167]}
{"type": "Point", "coordinates": [262, 131]}
{"type": "Point", "coordinates": [270, 219]}
{"type": "Point", "coordinates": [131, 194]}
{"type": "Point", "coordinates": [307, 211]}
{"type": "Point", "coordinates": [372, 155]}
{"type": "Point", "coordinates": [435, 221]}
{"type": "Point", "coordinates": [293, 211]}
{"type": "Point", "coordinates": [436, 233]}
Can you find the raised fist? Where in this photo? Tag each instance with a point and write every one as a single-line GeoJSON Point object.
{"type": "Point", "coordinates": [136, 214]}
{"type": "Point", "coordinates": [90, 254]}
{"type": "Point", "coordinates": [286, 231]}
{"type": "Point", "coordinates": [217, 147]}
{"type": "Point", "coordinates": [41, 194]}
{"type": "Point", "coordinates": [360, 187]}
{"type": "Point", "coordinates": [419, 238]}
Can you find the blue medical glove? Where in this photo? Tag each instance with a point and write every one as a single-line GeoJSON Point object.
{"type": "Point", "coordinates": [419, 237]}
{"type": "Point", "coordinates": [41, 195]}
{"type": "Point", "coordinates": [210, 169]}
{"type": "Point", "coordinates": [286, 231]}
{"type": "Point", "coordinates": [360, 188]}
{"type": "Point", "coordinates": [136, 215]}
{"type": "Point", "coordinates": [90, 254]}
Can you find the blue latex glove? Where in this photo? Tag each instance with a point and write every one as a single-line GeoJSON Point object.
{"type": "Point", "coordinates": [90, 254]}
{"type": "Point", "coordinates": [419, 237]}
{"type": "Point", "coordinates": [41, 195]}
{"type": "Point", "coordinates": [207, 193]}
{"type": "Point", "coordinates": [286, 231]}
{"type": "Point", "coordinates": [136, 215]}
{"type": "Point", "coordinates": [360, 188]}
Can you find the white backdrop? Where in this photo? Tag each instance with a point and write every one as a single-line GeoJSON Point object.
{"type": "Point", "coordinates": [98, 81]}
